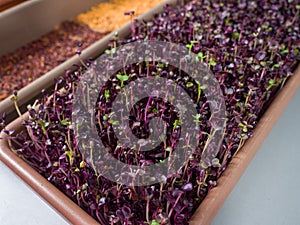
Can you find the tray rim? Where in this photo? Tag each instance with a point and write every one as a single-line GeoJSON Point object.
{"type": "Point", "coordinates": [9, 4]}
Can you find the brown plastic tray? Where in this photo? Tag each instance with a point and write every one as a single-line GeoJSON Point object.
{"type": "Point", "coordinates": [6, 4]}
{"type": "Point", "coordinates": [12, 20]}
{"type": "Point", "coordinates": [215, 198]}
{"type": "Point", "coordinates": [213, 201]}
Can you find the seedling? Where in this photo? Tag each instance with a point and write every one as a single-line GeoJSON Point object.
{"type": "Point", "coordinates": [122, 78]}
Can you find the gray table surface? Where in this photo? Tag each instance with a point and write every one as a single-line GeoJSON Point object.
{"type": "Point", "coordinates": [267, 193]}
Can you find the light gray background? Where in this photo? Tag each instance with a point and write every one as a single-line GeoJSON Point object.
{"type": "Point", "coordinates": [267, 193]}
